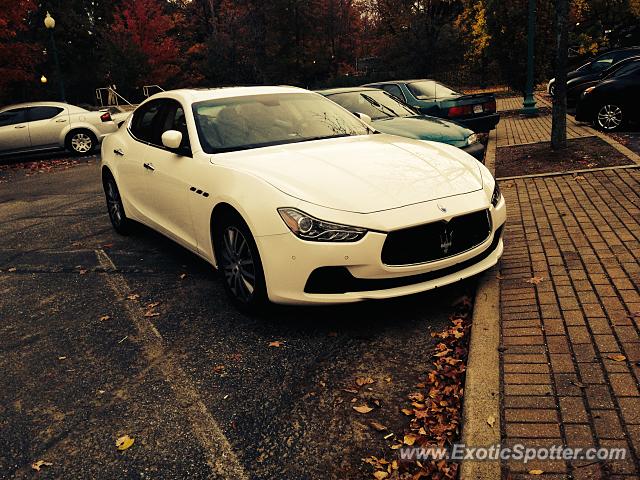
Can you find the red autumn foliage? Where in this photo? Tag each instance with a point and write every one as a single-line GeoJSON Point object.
{"type": "Point", "coordinates": [19, 58]}
{"type": "Point", "coordinates": [144, 24]}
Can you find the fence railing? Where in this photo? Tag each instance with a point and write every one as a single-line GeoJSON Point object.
{"type": "Point", "coordinates": [148, 89]}
{"type": "Point", "coordinates": [113, 98]}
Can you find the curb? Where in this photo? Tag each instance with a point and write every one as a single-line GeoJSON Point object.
{"type": "Point", "coordinates": [482, 381]}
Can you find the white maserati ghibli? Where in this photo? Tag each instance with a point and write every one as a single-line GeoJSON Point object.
{"type": "Point", "coordinates": [295, 200]}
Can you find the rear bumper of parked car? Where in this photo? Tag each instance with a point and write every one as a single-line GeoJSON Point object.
{"type": "Point", "coordinates": [482, 124]}
{"type": "Point", "coordinates": [475, 150]}
{"type": "Point", "coordinates": [299, 272]}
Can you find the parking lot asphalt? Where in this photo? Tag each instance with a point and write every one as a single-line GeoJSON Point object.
{"type": "Point", "coordinates": [102, 336]}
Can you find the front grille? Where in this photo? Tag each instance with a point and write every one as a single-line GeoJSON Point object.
{"type": "Point", "coordinates": [437, 240]}
{"type": "Point", "coordinates": [338, 280]}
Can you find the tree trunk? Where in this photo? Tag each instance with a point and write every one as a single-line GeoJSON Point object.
{"type": "Point", "coordinates": [559, 114]}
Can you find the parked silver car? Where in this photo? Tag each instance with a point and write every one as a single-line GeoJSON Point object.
{"type": "Point", "coordinates": [38, 126]}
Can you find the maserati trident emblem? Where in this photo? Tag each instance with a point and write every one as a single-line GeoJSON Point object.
{"type": "Point", "coordinates": [446, 239]}
{"type": "Point", "coordinates": [442, 208]}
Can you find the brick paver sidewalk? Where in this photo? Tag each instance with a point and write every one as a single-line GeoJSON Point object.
{"type": "Point", "coordinates": [516, 130]}
{"type": "Point", "coordinates": [563, 383]}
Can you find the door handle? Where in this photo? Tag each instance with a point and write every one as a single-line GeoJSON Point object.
{"type": "Point", "coordinates": [149, 166]}
{"type": "Point", "coordinates": [62, 120]}
{"type": "Point", "coordinates": [118, 151]}
{"type": "Point", "coordinates": [20, 126]}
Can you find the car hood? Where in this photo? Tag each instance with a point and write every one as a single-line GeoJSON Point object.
{"type": "Point", "coordinates": [423, 127]}
{"type": "Point", "coordinates": [361, 174]}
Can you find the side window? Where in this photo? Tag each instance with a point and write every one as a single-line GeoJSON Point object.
{"type": "Point", "coordinates": [174, 119]}
{"type": "Point", "coordinates": [629, 70]}
{"type": "Point", "coordinates": [602, 62]}
{"type": "Point", "coordinates": [13, 117]}
{"type": "Point", "coordinates": [43, 113]}
{"type": "Point", "coordinates": [394, 90]}
{"type": "Point", "coordinates": [145, 123]}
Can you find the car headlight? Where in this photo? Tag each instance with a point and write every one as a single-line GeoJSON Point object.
{"type": "Point", "coordinates": [588, 91]}
{"type": "Point", "coordinates": [306, 227]}
{"type": "Point", "coordinates": [496, 196]}
{"type": "Point", "coordinates": [473, 138]}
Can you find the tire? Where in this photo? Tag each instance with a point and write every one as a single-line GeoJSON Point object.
{"type": "Point", "coordinates": [609, 117]}
{"type": "Point", "coordinates": [81, 142]}
{"type": "Point", "coordinates": [117, 215]}
{"type": "Point", "coordinates": [239, 263]}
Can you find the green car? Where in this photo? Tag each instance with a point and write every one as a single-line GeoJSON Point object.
{"type": "Point", "coordinates": [474, 111]}
{"type": "Point", "coordinates": [389, 115]}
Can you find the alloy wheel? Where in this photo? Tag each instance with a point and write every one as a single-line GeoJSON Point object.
{"type": "Point", "coordinates": [609, 117]}
{"type": "Point", "coordinates": [238, 264]}
{"type": "Point", "coordinates": [114, 205]}
{"type": "Point", "coordinates": [81, 142]}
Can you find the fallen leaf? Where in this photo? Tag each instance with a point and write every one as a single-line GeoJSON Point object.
{"type": "Point", "coordinates": [407, 412]}
{"type": "Point", "coordinates": [578, 384]}
{"type": "Point", "coordinates": [360, 381]}
{"type": "Point", "coordinates": [133, 296]}
{"type": "Point", "coordinates": [12, 269]}
{"type": "Point", "coordinates": [350, 390]}
{"type": "Point", "coordinates": [491, 420]}
{"type": "Point", "coordinates": [39, 464]}
{"type": "Point", "coordinates": [377, 426]}
{"type": "Point", "coordinates": [277, 343]}
{"type": "Point", "coordinates": [536, 472]}
{"type": "Point", "coordinates": [410, 439]}
{"type": "Point", "coordinates": [153, 305]}
{"type": "Point", "coordinates": [617, 357]}
{"type": "Point", "coordinates": [149, 314]}
{"type": "Point", "coordinates": [362, 409]}
{"type": "Point", "coordinates": [107, 245]}
{"type": "Point", "coordinates": [535, 280]}
{"type": "Point", "coordinates": [104, 318]}
{"type": "Point", "coordinates": [82, 272]}
{"type": "Point", "coordinates": [380, 475]}
{"type": "Point", "coordinates": [62, 358]}
{"type": "Point", "coordinates": [124, 442]}
{"type": "Point", "coordinates": [396, 446]}
{"type": "Point", "coordinates": [183, 276]}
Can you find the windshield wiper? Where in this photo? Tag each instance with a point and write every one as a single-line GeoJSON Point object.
{"type": "Point", "coordinates": [379, 106]}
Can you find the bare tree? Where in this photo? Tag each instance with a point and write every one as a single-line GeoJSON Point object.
{"type": "Point", "coordinates": [559, 114]}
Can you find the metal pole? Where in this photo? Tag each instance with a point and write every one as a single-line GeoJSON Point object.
{"type": "Point", "coordinates": [57, 63]}
{"type": "Point", "coordinates": [529, 105]}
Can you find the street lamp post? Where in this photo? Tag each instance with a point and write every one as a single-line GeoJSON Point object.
{"type": "Point", "coordinates": [50, 23]}
{"type": "Point", "coordinates": [529, 105]}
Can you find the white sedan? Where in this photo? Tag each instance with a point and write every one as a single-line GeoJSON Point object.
{"type": "Point", "coordinates": [295, 200]}
{"type": "Point", "coordinates": [42, 126]}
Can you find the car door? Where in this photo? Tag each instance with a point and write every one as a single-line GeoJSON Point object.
{"type": "Point", "coordinates": [133, 174]}
{"type": "Point", "coordinates": [46, 123]}
{"type": "Point", "coordinates": [171, 183]}
{"type": "Point", "coordinates": [14, 130]}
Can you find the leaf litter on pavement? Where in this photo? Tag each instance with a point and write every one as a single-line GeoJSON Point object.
{"type": "Point", "coordinates": [434, 408]}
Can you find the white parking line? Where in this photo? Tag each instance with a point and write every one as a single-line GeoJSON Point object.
{"type": "Point", "coordinates": [220, 456]}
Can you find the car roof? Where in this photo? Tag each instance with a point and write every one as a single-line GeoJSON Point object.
{"type": "Point", "coordinates": [193, 95]}
{"type": "Point", "coordinates": [334, 91]}
{"type": "Point", "coordinates": [71, 108]}
{"type": "Point", "coordinates": [402, 81]}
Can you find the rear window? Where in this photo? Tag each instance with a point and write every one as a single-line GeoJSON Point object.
{"type": "Point", "coordinates": [430, 89]}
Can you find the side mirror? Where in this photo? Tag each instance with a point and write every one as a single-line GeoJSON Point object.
{"type": "Point", "coordinates": [172, 139]}
{"type": "Point", "coordinates": [364, 117]}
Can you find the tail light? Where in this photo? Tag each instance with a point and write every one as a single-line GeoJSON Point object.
{"type": "Point", "coordinates": [460, 111]}
{"type": "Point", "coordinates": [490, 106]}
{"type": "Point", "coordinates": [105, 117]}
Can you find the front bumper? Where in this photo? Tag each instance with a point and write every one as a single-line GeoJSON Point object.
{"type": "Point", "coordinates": [476, 150]}
{"type": "Point", "coordinates": [585, 109]}
{"type": "Point", "coordinates": [299, 272]}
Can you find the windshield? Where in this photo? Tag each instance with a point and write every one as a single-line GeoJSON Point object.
{"type": "Point", "coordinates": [241, 123]}
{"type": "Point", "coordinates": [375, 103]}
{"type": "Point", "coordinates": [425, 89]}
